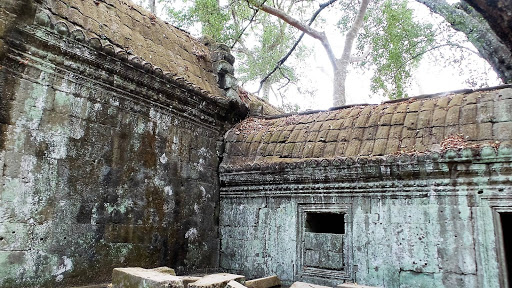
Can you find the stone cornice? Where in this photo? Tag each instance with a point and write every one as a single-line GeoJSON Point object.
{"type": "Point", "coordinates": [148, 83]}
{"type": "Point", "coordinates": [452, 167]}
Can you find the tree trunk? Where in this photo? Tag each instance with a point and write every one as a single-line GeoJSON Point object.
{"type": "Point", "coordinates": [339, 86]}
{"type": "Point", "coordinates": [498, 13]}
{"type": "Point", "coordinates": [490, 47]}
{"type": "Point", "coordinates": [265, 91]}
{"type": "Point", "coordinates": [341, 67]}
{"type": "Point", "coordinates": [152, 6]}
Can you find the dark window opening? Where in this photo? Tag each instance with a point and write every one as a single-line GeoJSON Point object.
{"type": "Point", "coordinates": [333, 223]}
{"type": "Point", "coordinates": [506, 223]}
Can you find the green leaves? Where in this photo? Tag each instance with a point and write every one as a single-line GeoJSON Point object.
{"type": "Point", "coordinates": [397, 48]}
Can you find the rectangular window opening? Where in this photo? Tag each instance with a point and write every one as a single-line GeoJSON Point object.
{"type": "Point", "coordinates": [333, 223]}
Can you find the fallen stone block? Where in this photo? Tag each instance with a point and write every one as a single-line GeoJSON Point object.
{"type": "Point", "coordinates": [354, 285]}
{"type": "Point", "coordinates": [219, 280]}
{"type": "Point", "coordinates": [188, 279]}
{"type": "Point", "coordinates": [165, 270]}
{"type": "Point", "coordinates": [234, 284]}
{"type": "Point", "coordinates": [265, 282]}
{"type": "Point", "coordinates": [136, 277]}
{"type": "Point", "coordinates": [306, 285]}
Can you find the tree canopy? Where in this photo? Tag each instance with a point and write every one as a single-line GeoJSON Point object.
{"type": "Point", "coordinates": [382, 36]}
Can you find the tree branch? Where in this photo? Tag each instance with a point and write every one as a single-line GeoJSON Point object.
{"type": "Point", "coordinates": [352, 33]}
{"type": "Point", "coordinates": [302, 27]}
{"type": "Point", "coordinates": [296, 44]}
{"type": "Point", "coordinates": [255, 11]}
{"type": "Point", "coordinates": [479, 33]}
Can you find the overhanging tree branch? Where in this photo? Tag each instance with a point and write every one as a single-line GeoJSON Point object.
{"type": "Point", "coordinates": [302, 27]}
{"type": "Point", "coordinates": [255, 11]}
{"type": "Point", "coordinates": [490, 46]}
{"type": "Point", "coordinates": [296, 44]}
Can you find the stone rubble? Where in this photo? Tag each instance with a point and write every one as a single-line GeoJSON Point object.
{"type": "Point", "coordinates": [165, 277]}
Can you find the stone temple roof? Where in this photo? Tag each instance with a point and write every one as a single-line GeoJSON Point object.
{"type": "Point", "coordinates": [127, 31]}
{"type": "Point", "coordinates": [413, 125]}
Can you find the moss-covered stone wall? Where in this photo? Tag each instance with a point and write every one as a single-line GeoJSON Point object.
{"type": "Point", "coordinates": [106, 160]}
{"type": "Point", "coordinates": [396, 210]}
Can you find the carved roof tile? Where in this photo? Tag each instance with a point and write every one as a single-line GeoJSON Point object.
{"type": "Point", "coordinates": [424, 124]}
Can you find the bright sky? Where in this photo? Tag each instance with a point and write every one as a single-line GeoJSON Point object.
{"type": "Point", "coordinates": [428, 78]}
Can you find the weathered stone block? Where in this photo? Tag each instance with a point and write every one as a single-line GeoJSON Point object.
{"type": "Point", "coordinates": [343, 135]}
{"type": "Point", "coordinates": [428, 105]}
{"type": "Point", "coordinates": [502, 110]}
{"type": "Point", "coordinates": [306, 285]}
{"type": "Point", "coordinates": [330, 149]}
{"type": "Point", "coordinates": [401, 108]}
{"type": "Point", "coordinates": [332, 136]}
{"type": "Point", "coordinates": [189, 279]}
{"type": "Point", "coordinates": [456, 100]}
{"type": "Point", "coordinates": [266, 282]}
{"type": "Point", "coordinates": [219, 280]}
{"type": "Point", "coordinates": [424, 119]}
{"type": "Point", "coordinates": [379, 147]}
{"type": "Point", "coordinates": [322, 136]}
{"type": "Point", "coordinates": [395, 132]}
{"type": "Point", "coordinates": [318, 150]}
{"type": "Point", "coordinates": [385, 119]}
{"type": "Point", "coordinates": [369, 133]}
{"type": "Point", "coordinates": [502, 131]}
{"type": "Point", "coordinates": [135, 277]}
{"type": "Point", "coordinates": [165, 270]}
{"type": "Point", "coordinates": [340, 148]}
{"type": "Point", "coordinates": [468, 114]}
{"type": "Point", "coordinates": [366, 148]}
{"type": "Point", "coordinates": [470, 132]}
{"type": "Point", "coordinates": [357, 133]}
{"type": "Point", "coordinates": [353, 148]}
{"type": "Point", "coordinates": [485, 112]}
{"type": "Point", "coordinates": [439, 117]}
{"type": "Point", "coordinates": [398, 119]}
{"type": "Point", "coordinates": [312, 136]}
{"type": "Point", "coordinates": [414, 106]}
{"type": "Point", "coordinates": [392, 146]}
{"type": "Point", "coordinates": [451, 130]}
{"type": "Point", "coordinates": [452, 116]}
{"type": "Point", "coordinates": [234, 284]}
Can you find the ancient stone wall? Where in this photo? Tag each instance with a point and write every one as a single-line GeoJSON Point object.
{"type": "Point", "coordinates": [383, 195]}
{"type": "Point", "coordinates": [110, 126]}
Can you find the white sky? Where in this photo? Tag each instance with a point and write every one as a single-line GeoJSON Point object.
{"type": "Point", "coordinates": [428, 78]}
